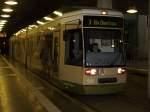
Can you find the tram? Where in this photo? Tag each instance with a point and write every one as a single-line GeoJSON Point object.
{"type": "Point", "coordinates": [81, 51]}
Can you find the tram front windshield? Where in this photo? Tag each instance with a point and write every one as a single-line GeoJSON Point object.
{"type": "Point", "coordinates": [103, 47]}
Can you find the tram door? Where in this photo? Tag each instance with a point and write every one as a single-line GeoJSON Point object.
{"type": "Point", "coordinates": [56, 37]}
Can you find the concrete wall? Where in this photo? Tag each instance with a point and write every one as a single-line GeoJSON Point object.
{"type": "Point", "coordinates": [106, 4]}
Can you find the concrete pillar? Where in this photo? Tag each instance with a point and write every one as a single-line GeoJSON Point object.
{"type": "Point", "coordinates": [149, 57]}
{"type": "Point", "coordinates": [149, 50]}
{"type": "Point", "coordinates": [105, 4]}
{"type": "Point", "coordinates": [142, 35]}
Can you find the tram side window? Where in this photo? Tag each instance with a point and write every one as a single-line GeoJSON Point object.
{"type": "Point", "coordinates": [73, 47]}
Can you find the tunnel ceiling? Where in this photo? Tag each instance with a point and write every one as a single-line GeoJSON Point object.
{"type": "Point", "coordinates": [28, 11]}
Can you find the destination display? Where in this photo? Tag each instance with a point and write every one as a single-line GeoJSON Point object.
{"type": "Point", "coordinates": [102, 21]}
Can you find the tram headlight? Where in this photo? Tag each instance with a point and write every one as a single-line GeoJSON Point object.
{"type": "Point", "coordinates": [91, 72]}
{"type": "Point", "coordinates": [121, 70]}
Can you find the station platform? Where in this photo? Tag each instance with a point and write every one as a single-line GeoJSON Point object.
{"type": "Point", "coordinates": [15, 95]}
{"type": "Point", "coordinates": [21, 91]}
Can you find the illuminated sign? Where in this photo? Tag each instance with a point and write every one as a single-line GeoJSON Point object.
{"type": "Point", "coordinates": [103, 21]}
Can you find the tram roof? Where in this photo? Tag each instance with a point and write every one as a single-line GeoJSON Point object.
{"type": "Point", "coordinates": [94, 12]}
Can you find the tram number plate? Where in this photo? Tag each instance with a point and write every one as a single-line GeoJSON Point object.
{"type": "Point", "coordinates": [107, 80]}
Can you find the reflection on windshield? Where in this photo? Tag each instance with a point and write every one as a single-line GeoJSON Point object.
{"type": "Point", "coordinates": [103, 47]}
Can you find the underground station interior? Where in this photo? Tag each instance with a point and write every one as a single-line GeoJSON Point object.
{"type": "Point", "coordinates": [74, 56]}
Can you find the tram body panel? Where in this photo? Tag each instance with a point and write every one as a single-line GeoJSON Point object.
{"type": "Point", "coordinates": [104, 73]}
{"type": "Point", "coordinates": [35, 57]}
{"type": "Point", "coordinates": [72, 74]}
{"type": "Point", "coordinates": [30, 51]}
{"type": "Point", "coordinates": [68, 72]}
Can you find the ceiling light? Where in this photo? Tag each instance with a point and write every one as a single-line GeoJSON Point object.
{"type": "Point", "coordinates": [32, 26]}
{"type": "Point", "coordinates": [5, 16]}
{"type": "Point", "coordinates": [51, 28]}
{"type": "Point", "coordinates": [11, 2]}
{"type": "Point", "coordinates": [24, 30]}
{"type": "Point", "coordinates": [3, 21]}
{"type": "Point", "coordinates": [7, 10]}
{"type": "Point", "coordinates": [58, 13]}
{"type": "Point", "coordinates": [132, 11]}
{"type": "Point", "coordinates": [48, 18]}
{"type": "Point", "coordinates": [40, 22]}
{"type": "Point", "coordinates": [1, 25]}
